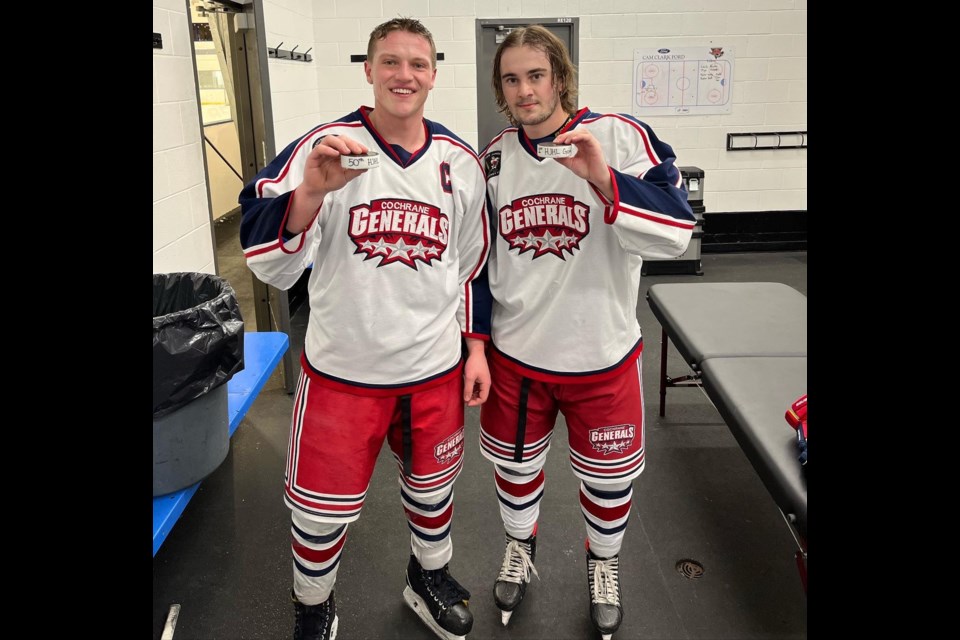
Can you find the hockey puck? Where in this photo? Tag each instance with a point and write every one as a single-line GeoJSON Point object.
{"type": "Point", "coordinates": [360, 161]}
{"type": "Point", "coordinates": [554, 150]}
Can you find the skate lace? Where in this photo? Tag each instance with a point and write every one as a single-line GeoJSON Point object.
{"type": "Point", "coordinates": [443, 588]}
{"type": "Point", "coordinates": [606, 579]}
{"type": "Point", "coordinates": [516, 563]}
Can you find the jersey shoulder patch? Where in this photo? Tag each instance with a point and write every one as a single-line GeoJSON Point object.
{"type": "Point", "coordinates": [491, 164]}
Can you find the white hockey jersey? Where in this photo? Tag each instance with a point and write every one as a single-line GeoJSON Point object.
{"type": "Point", "coordinates": [395, 256]}
{"type": "Point", "coordinates": [564, 270]}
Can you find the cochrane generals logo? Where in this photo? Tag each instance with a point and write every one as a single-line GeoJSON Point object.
{"type": "Point", "coordinates": [615, 439]}
{"type": "Point", "coordinates": [450, 449]}
{"type": "Point", "coordinates": [546, 223]}
{"type": "Point", "coordinates": [399, 230]}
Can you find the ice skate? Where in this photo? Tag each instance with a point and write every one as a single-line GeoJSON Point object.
{"type": "Point", "coordinates": [511, 584]}
{"type": "Point", "coordinates": [315, 622]}
{"type": "Point", "coordinates": [603, 578]}
{"type": "Point", "coordinates": [439, 600]}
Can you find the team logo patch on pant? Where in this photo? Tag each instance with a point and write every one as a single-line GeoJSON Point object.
{"type": "Point", "coordinates": [450, 449]}
{"type": "Point", "coordinates": [615, 439]}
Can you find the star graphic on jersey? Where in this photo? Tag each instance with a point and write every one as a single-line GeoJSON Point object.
{"type": "Point", "coordinates": [372, 249]}
{"type": "Point", "coordinates": [418, 251]}
{"type": "Point", "coordinates": [400, 249]}
{"type": "Point", "coordinates": [546, 242]}
{"type": "Point", "coordinates": [523, 242]}
{"type": "Point", "coordinates": [567, 241]}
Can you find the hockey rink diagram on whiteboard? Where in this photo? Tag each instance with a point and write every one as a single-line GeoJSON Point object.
{"type": "Point", "coordinates": [682, 81]}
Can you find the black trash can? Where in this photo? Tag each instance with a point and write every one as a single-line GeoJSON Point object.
{"type": "Point", "coordinates": [197, 348]}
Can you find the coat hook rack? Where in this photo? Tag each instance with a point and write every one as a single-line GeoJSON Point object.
{"type": "Point", "coordinates": [766, 140]}
{"type": "Point", "coordinates": [283, 54]}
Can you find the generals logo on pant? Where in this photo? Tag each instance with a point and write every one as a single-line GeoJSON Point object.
{"type": "Point", "coordinates": [545, 223]}
{"type": "Point", "coordinates": [615, 439]}
{"type": "Point", "coordinates": [399, 230]}
{"type": "Point", "coordinates": [450, 449]}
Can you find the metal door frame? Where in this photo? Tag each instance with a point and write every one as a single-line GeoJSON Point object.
{"type": "Point", "coordinates": [254, 117]}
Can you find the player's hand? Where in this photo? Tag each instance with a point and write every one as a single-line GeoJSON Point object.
{"type": "Point", "coordinates": [476, 379]}
{"type": "Point", "coordinates": [323, 173]}
{"type": "Point", "coordinates": [589, 163]}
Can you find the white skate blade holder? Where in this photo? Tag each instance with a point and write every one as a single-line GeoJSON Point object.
{"type": "Point", "coordinates": [505, 617]}
{"type": "Point", "coordinates": [420, 608]}
{"type": "Point", "coordinates": [369, 160]}
{"type": "Point", "coordinates": [554, 150]}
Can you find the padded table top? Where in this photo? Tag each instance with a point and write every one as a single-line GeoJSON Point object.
{"type": "Point", "coordinates": [731, 319]}
{"type": "Point", "coordinates": [757, 420]}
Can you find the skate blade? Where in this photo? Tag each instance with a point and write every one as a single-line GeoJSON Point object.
{"type": "Point", "coordinates": [333, 627]}
{"type": "Point", "coordinates": [505, 617]}
{"type": "Point", "coordinates": [420, 608]}
{"type": "Point", "coordinates": [606, 636]}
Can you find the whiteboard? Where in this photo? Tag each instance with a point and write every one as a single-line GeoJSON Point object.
{"type": "Point", "coordinates": [682, 81]}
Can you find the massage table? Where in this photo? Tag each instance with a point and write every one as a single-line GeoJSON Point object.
{"type": "Point", "coordinates": [746, 346]}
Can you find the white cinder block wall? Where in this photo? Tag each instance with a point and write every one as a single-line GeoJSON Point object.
{"type": "Point", "coordinates": [769, 93]}
{"type": "Point", "coordinates": [769, 39]}
{"type": "Point", "coordinates": [182, 238]}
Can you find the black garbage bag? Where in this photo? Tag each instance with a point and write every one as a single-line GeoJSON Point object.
{"type": "Point", "coordinates": [197, 338]}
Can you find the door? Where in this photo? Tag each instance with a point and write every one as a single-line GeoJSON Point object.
{"type": "Point", "coordinates": [242, 51]}
{"type": "Point", "coordinates": [490, 33]}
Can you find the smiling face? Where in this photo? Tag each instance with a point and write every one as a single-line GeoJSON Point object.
{"type": "Point", "coordinates": [402, 75]}
{"type": "Point", "coordinates": [529, 90]}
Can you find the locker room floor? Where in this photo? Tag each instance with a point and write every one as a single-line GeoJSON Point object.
{"type": "Point", "coordinates": [227, 561]}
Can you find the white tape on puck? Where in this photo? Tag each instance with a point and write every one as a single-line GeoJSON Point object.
{"type": "Point", "coordinates": [364, 161]}
{"type": "Point", "coordinates": [554, 150]}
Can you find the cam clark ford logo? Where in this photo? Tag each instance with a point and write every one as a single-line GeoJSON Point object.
{"type": "Point", "coordinates": [450, 449]}
{"type": "Point", "coordinates": [399, 231]}
{"type": "Point", "coordinates": [615, 439]}
{"type": "Point", "coordinates": [548, 223]}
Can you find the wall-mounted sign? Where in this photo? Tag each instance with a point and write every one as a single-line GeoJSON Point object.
{"type": "Point", "coordinates": [670, 81]}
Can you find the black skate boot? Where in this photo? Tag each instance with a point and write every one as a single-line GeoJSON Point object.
{"type": "Point", "coordinates": [315, 622]}
{"type": "Point", "coordinates": [514, 576]}
{"type": "Point", "coordinates": [603, 578]}
{"type": "Point", "coordinates": [439, 600]}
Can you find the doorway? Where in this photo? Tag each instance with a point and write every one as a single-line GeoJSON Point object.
{"type": "Point", "coordinates": [490, 33]}
{"type": "Point", "coordinates": [235, 106]}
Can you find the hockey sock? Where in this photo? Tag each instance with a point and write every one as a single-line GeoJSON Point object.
{"type": "Point", "coordinates": [429, 518]}
{"type": "Point", "coordinates": [606, 511]}
{"type": "Point", "coordinates": [519, 491]}
{"type": "Point", "coordinates": [316, 556]}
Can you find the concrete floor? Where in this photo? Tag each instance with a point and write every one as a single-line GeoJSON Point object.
{"type": "Point", "coordinates": [227, 561]}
